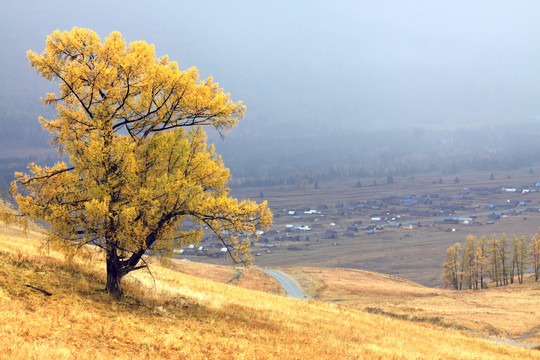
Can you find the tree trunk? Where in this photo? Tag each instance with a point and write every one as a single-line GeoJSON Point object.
{"type": "Point", "coordinates": [482, 285]}
{"type": "Point", "coordinates": [114, 276]}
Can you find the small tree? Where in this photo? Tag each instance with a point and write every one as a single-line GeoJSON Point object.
{"type": "Point", "coordinates": [469, 265]}
{"type": "Point", "coordinates": [522, 259]}
{"type": "Point", "coordinates": [495, 262]}
{"type": "Point", "coordinates": [503, 254]}
{"type": "Point", "coordinates": [514, 269]}
{"type": "Point", "coordinates": [451, 275]}
{"type": "Point", "coordinates": [481, 259]}
{"type": "Point", "coordinates": [534, 251]}
{"type": "Point", "coordinates": [139, 167]}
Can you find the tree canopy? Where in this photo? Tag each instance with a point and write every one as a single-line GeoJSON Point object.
{"type": "Point", "coordinates": [140, 175]}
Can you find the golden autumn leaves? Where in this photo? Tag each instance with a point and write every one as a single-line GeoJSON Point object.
{"type": "Point", "coordinates": [497, 259]}
{"type": "Point", "coordinates": [126, 87]}
{"type": "Point", "coordinates": [139, 165]}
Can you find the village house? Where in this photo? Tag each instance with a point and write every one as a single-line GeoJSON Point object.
{"type": "Point", "coordinates": [330, 234]}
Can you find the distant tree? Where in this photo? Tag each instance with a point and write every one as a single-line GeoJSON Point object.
{"type": "Point", "coordinates": [519, 259]}
{"type": "Point", "coordinates": [495, 260]}
{"type": "Point", "coordinates": [390, 179]}
{"type": "Point", "coordinates": [522, 258]}
{"type": "Point", "coordinates": [534, 251]}
{"type": "Point", "coordinates": [456, 180]}
{"type": "Point", "coordinates": [503, 254]}
{"type": "Point", "coordinates": [440, 181]}
{"type": "Point", "coordinates": [514, 264]}
{"type": "Point", "coordinates": [469, 265]}
{"type": "Point", "coordinates": [479, 257]}
{"type": "Point", "coordinates": [451, 265]}
{"type": "Point", "coordinates": [139, 165]}
{"type": "Point", "coordinates": [531, 171]}
{"type": "Point", "coordinates": [491, 177]}
{"type": "Point", "coordinates": [358, 184]}
{"type": "Point", "coordinates": [481, 260]}
{"type": "Point", "coordinates": [316, 185]}
{"type": "Point", "coordinates": [299, 180]}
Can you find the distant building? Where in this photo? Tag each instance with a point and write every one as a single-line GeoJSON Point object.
{"type": "Point", "coordinates": [330, 234]}
{"type": "Point", "coordinates": [494, 217]}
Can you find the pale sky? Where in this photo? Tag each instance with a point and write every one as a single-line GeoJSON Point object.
{"type": "Point", "coordinates": [316, 65]}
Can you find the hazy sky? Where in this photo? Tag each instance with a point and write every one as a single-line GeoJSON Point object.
{"type": "Point", "coordinates": [323, 65]}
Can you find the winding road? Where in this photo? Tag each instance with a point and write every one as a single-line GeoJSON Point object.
{"type": "Point", "coordinates": [289, 285]}
{"type": "Point", "coordinates": [512, 343]}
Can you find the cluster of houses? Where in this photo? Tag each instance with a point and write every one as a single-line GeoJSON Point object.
{"type": "Point", "coordinates": [399, 212]}
{"type": "Point", "coordinates": [211, 250]}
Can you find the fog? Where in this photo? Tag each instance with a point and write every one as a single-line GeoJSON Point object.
{"type": "Point", "coordinates": [319, 78]}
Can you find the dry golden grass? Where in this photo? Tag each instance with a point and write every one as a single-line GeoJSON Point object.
{"type": "Point", "coordinates": [346, 284]}
{"type": "Point", "coordinates": [508, 313]}
{"type": "Point", "coordinates": [179, 316]}
{"type": "Point", "coordinates": [249, 278]}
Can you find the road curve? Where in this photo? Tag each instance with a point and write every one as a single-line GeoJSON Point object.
{"type": "Point", "coordinates": [512, 343]}
{"type": "Point", "coordinates": [289, 285]}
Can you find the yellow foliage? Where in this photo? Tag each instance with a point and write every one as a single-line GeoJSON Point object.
{"type": "Point", "coordinates": [139, 165]}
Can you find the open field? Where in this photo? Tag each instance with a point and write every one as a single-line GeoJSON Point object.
{"type": "Point", "coordinates": [416, 254]}
{"type": "Point", "coordinates": [175, 315]}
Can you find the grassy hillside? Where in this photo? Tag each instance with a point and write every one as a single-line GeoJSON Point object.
{"type": "Point", "coordinates": [509, 313]}
{"type": "Point", "coordinates": [174, 315]}
{"type": "Point", "coordinates": [249, 278]}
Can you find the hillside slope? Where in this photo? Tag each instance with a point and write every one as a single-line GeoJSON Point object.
{"type": "Point", "coordinates": [510, 313]}
{"type": "Point", "coordinates": [174, 315]}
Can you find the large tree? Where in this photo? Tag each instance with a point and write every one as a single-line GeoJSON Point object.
{"type": "Point", "coordinates": [140, 176]}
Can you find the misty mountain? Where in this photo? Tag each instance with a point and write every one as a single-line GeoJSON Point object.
{"type": "Point", "coordinates": [371, 153]}
{"type": "Point", "coordinates": [346, 89]}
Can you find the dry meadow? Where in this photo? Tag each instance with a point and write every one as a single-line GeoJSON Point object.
{"type": "Point", "coordinates": [50, 308]}
{"type": "Point", "coordinates": [509, 313]}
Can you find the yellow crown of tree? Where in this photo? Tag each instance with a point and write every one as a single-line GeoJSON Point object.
{"type": "Point", "coordinates": [139, 165]}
